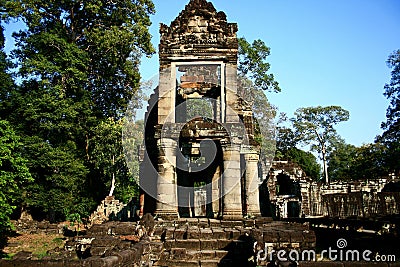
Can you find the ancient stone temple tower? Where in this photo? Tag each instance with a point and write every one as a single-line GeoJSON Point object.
{"type": "Point", "coordinates": [200, 156]}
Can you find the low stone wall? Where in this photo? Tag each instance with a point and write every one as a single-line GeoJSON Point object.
{"type": "Point", "coordinates": [36, 227]}
{"type": "Point", "coordinates": [362, 204]}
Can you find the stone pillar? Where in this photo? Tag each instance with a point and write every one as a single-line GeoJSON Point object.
{"type": "Point", "coordinates": [305, 198]}
{"type": "Point", "coordinates": [166, 96]}
{"type": "Point", "coordinates": [167, 205]}
{"type": "Point", "coordinates": [216, 193]}
{"type": "Point", "coordinates": [231, 98]}
{"type": "Point", "coordinates": [251, 184]}
{"type": "Point", "coordinates": [232, 207]}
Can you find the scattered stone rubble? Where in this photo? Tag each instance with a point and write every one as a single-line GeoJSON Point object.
{"type": "Point", "coordinates": [112, 209]}
{"type": "Point", "coordinates": [182, 242]}
{"type": "Point", "coordinates": [35, 227]}
{"type": "Point", "coordinates": [189, 242]}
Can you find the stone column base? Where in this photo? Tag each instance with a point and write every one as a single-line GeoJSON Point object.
{"type": "Point", "coordinates": [167, 214]}
{"type": "Point", "coordinates": [232, 215]}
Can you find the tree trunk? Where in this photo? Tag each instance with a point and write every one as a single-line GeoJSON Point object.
{"type": "Point", "coordinates": [112, 185]}
{"type": "Point", "coordinates": [325, 166]}
{"type": "Point", "coordinates": [113, 179]}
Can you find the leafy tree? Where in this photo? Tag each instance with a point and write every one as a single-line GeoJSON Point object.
{"type": "Point", "coordinates": [263, 116]}
{"type": "Point", "coordinates": [78, 63]}
{"type": "Point", "coordinates": [6, 82]}
{"type": "Point", "coordinates": [132, 140]}
{"type": "Point", "coordinates": [60, 177]}
{"type": "Point", "coordinates": [314, 126]}
{"type": "Point", "coordinates": [198, 107]}
{"type": "Point", "coordinates": [286, 142]}
{"type": "Point", "coordinates": [391, 135]}
{"type": "Point", "coordinates": [341, 162]}
{"type": "Point", "coordinates": [93, 46]}
{"type": "Point", "coordinates": [371, 161]}
{"type": "Point", "coordinates": [108, 158]}
{"type": "Point", "coordinates": [306, 160]}
{"type": "Point", "coordinates": [252, 64]}
{"type": "Point", "coordinates": [348, 162]}
{"type": "Point", "coordinates": [14, 174]}
{"type": "Point", "coordinates": [286, 138]}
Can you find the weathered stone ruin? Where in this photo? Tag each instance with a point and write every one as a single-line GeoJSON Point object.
{"type": "Point", "coordinates": [200, 156]}
{"type": "Point", "coordinates": [114, 210]}
{"type": "Point", "coordinates": [293, 194]}
{"type": "Point", "coordinates": [190, 242]}
{"type": "Point", "coordinates": [288, 189]}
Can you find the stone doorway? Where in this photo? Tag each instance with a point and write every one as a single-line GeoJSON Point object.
{"type": "Point", "coordinates": [198, 178]}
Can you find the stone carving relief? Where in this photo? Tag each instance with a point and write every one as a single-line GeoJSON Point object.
{"type": "Point", "coordinates": [199, 24]}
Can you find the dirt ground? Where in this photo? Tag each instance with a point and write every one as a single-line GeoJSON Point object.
{"type": "Point", "coordinates": [38, 244]}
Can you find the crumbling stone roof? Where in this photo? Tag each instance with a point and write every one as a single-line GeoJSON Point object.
{"type": "Point", "coordinates": [199, 24]}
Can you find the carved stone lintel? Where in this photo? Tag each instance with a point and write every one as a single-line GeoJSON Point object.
{"type": "Point", "coordinates": [199, 24]}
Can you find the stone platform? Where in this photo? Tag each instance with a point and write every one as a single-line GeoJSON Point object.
{"type": "Point", "coordinates": [189, 242]}
{"type": "Point", "coordinates": [209, 242]}
{"type": "Point", "coordinates": [182, 242]}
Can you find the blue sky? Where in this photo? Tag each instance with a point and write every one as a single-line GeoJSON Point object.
{"type": "Point", "coordinates": [322, 53]}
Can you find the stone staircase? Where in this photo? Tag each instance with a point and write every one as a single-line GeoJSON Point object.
{"type": "Point", "coordinates": [202, 242]}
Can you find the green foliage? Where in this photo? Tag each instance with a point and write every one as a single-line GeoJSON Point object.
{"type": "Point", "coordinates": [60, 176]}
{"type": "Point", "coordinates": [314, 126]}
{"type": "Point", "coordinates": [263, 116]}
{"type": "Point", "coordinates": [307, 161]}
{"type": "Point", "coordinates": [391, 135]}
{"type": "Point", "coordinates": [286, 137]}
{"type": "Point", "coordinates": [6, 81]}
{"type": "Point", "coordinates": [108, 158]}
{"type": "Point", "coordinates": [253, 81]}
{"type": "Point", "coordinates": [252, 63]}
{"type": "Point", "coordinates": [14, 174]}
{"type": "Point", "coordinates": [78, 67]}
{"type": "Point", "coordinates": [348, 162]}
{"type": "Point", "coordinates": [74, 47]}
{"type": "Point", "coordinates": [341, 162]}
{"type": "Point", "coordinates": [198, 107]}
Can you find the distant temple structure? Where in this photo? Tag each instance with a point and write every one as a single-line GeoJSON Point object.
{"type": "Point", "coordinates": [200, 157]}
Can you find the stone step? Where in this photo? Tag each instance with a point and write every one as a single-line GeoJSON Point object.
{"type": "Point", "coordinates": [200, 244]}
{"type": "Point", "coordinates": [202, 263]}
{"type": "Point", "coordinates": [180, 263]}
{"type": "Point", "coordinates": [191, 232]}
{"type": "Point", "coordinates": [209, 263]}
{"type": "Point", "coordinates": [182, 253]}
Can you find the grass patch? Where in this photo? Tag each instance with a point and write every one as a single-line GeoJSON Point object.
{"type": "Point", "coordinates": [8, 256]}
{"type": "Point", "coordinates": [37, 244]}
